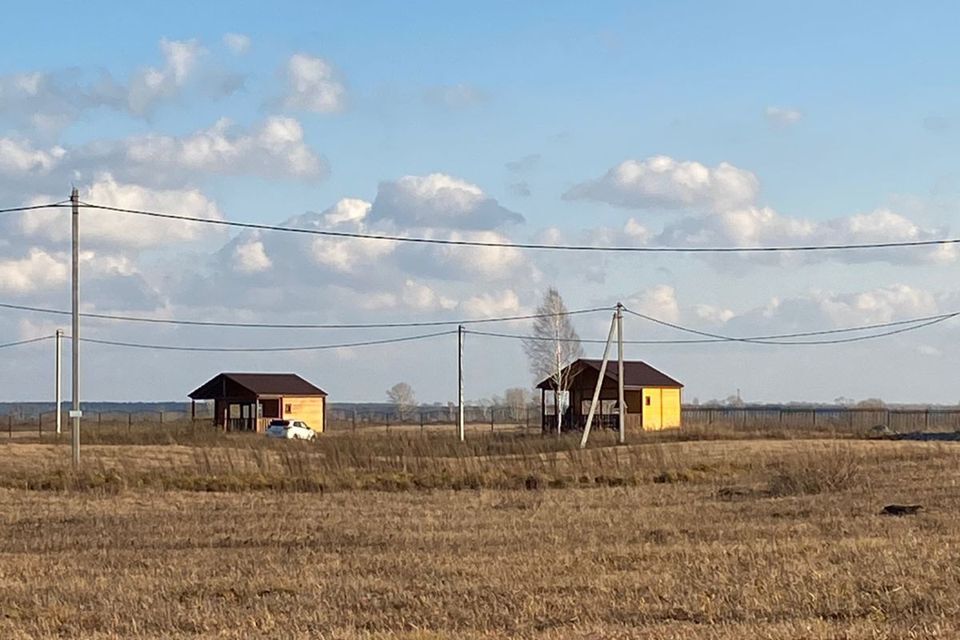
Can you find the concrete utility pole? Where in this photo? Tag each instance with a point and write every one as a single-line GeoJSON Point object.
{"type": "Point", "coordinates": [75, 333]}
{"type": "Point", "coordinates": [59, 337]}
{"type": "Point", "coordinates": [460, 431]}
{"type": "Point", "coordinates": [622, 438]}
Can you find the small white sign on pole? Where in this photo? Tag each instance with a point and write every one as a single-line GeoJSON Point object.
{"type": "Point", "coordinates": [76, 414]}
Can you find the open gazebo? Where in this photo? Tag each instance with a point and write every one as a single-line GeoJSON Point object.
{"type": "Point", "coordinates": [248, 401]}
{"type": "Point", "coordinates": [652, 397]}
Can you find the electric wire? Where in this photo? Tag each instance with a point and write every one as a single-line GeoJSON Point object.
{"type": "Point", "coordinates": [524, 245]}
{"type": "Point", "coordinates": [917, 323]}
{"type": "Point", "coordinates": [22, 342]}
{"type": "Point", "coordinates": [268, 325]}
{"type": "Point", "coordinates": [320, 347]}
{"type": "Point", "coordinates": [34, 207]}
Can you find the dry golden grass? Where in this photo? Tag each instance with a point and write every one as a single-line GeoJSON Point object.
{"type": "Point", "coordinates": [703, 539]}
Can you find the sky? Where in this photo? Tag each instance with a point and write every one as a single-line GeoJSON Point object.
{"type": "Point", "coordinates": [675, 124]}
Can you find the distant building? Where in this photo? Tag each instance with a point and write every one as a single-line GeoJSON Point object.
{"type": "Point", "coordinates": [248, 401]}
{"type": "Point", "coordinates": [652, 397]}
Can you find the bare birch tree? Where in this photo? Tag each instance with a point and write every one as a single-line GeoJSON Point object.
{"type": "Point", "coordinates": [402, 396]}
{"type": "Point", "coordinates": [552, 345]}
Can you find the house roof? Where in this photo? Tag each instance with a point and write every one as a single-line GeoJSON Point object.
{"type": "Point", "coordinates": [228, 384]}
{"type": "Point", "coordinates": [636, 374]}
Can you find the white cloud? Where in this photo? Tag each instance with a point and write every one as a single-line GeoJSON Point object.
{"type": "Point", "coordinates": [659, 301]}
{"type": "Point", "coordinates": [313, 85]}
{"type": "Point", "coordinates": [782, 116]}
{"type": "Point", "coordinates": [662, 182]}
{"type": "Point", "coordinates": [251, 257]}
{"type": "Point", "coordinates": [438, 200]}
{"type": "Point", "coordinates": [38, 271]}
{"type": "Point", "coordinates": [153, 84]}
{"type": "Point", "coordinates": [275, 149]}
{"type": "Point", "coordinates": [420, 297]}
{"type": "Point", "coordinates": [347, 210]}
{"type": "Point", "coordinates": [490, 305]}
{"type": "Point", "coordinates": [712, 314]}
{"type": "Point", "coordinates": [349, 255]}
{"type": "Point", "coordinates": [20, 157]}
{"type": "Point", "coordinates": [126, 231]}
{"type": "Point", "coordinates": [764, 226]}
{"type": "Point", "coordinates": [238, 43]}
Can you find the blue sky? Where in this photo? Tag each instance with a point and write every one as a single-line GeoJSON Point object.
{"type": "Point", "coordinates": [833, 122]}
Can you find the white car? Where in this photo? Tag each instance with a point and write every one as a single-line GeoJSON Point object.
{"type": "Point", "coordinates": [290, 430]}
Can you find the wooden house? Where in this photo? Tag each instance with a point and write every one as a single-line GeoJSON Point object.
{"type": "Point", "coordinates": [652, 397]}
{"type": "Point", "coordinates": [249, 401]}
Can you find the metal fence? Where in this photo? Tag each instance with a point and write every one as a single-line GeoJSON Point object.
{"type": "Point", "coordinates": [45, 423]}
{"type": "Point", "coordinates": [899, 420]}
{"type": "Point", "coordinates": [495, 417]}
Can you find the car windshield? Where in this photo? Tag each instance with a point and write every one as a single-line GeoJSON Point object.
{"type": "Point", "coordinates": [280, 423]}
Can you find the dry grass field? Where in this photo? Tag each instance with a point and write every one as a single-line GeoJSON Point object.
{"type": "Point", "coordinates": [674, 536]}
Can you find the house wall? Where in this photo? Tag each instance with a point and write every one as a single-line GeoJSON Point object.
{"type": "Point", "coordinates": [309, 409]}
{"type": "Point", "coordinates": [661, 408]}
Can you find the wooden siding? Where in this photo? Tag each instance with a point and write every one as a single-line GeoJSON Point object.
{"type": "Point", "coordinates": [661, 408]}
{"type": "Point", "coordinates": [305, 408]}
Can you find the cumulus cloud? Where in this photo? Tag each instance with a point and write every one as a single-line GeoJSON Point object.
{"type": "Point", "coordinates": [764, 226]}
{"type": "Point", "coordinates": [238, 43]}
{"type": "Point", "coordinates": [125, 231]}
{"type": "Point", "coordinates": [19, 157]}
{"type": "Point", "coordinates": [659, 301]}
{"type": "Point", "coordinates": [313, 84]}
{"type": "Point", "coordinates": [490, 305]}
{"type": "Point", "coordinates": [153, 84]}
{"type": "Point", "coordinates": [37, 271]}
{"type": "Point", "coordinates": [782, 117]}
{"type": "Point", "coordinates": [48, 101]}
{"type": "Point", "coordinates": [660, 182]}
{"type": "Point", "coordinates": [275, 149]}
{"type": "Point", "coordinates": [441, 201]}
{"type": "Point", "coordinates": [251, 257]}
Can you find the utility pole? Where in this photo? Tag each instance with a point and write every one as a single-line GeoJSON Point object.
{"type": "Point", "coordinates": [75, 332]}
{"type": "Point", "coordinates": [622, 438]}
{"type": "Point", "coordinates": [600, 378]}
{"type": "Point", "coordinates": [460, 433]}
{"type": "Point", "coordinates": [59, 337]}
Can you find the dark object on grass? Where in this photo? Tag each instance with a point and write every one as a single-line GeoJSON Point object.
{"type": "Point", "coordinates": [900, 509]}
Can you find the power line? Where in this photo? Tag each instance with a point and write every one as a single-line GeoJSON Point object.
{"type": "Point", "coordinates": [769, 339]}
{"type": "Point", "coordinates": [320, 347]}
{"type": "Point", "coordinates": [525, 245]}
{"type": "Point", "coordinates": [774, 339]}
{"type": "Point", "coordinates": [267, 325]}
{"type": "Point", "coordinates": [22, 342]}
{"type": "Point", "coordinates": [34, 207]}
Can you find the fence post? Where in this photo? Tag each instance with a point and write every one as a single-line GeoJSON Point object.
{"type": "Point", "coordinates": [354, 420]}
{"type": "Point", "coordinates": [421, 423]}
{"type": "Point", "coordinates": [491, 419]}
{"type": "Point", "coordinates": [99, 418]}
{"type": "Point", "coordinates": [814, 417]}
{"type": "Point", "coordinates": [40, 424]}
{"type": "Point", "coordinates": [926, 419]}
{"type": "Point", "coordinates": [161, 417]}
{"type": "Point", "coordinates": [386, 418]}
{"type": "Point", "coordinates": [129, 422]}
{"type": "Point", "coordinates": [10, 425]}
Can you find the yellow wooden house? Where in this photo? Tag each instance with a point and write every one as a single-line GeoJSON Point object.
{"type": "Point", "coordinates": [249, 401]}
{"type": "Point", "coordinates": [652, 397]}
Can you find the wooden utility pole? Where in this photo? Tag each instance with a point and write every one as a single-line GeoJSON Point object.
{"type": "Point", "coordinates": [600, 377]}
{"type": "Point", "coordinates": [75, 332]}
{"type": "Point", "coordinates": [460, 429]}
{"type": "Point", "coordinates": [57, 390]}
{"type": "Point", "coordinates": [622, 422]}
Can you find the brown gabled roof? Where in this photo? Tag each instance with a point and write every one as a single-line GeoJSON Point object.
{"type": "Point", "coordinates": [636, 374]}
{"type": "Point", "coordinates": [232, 384]}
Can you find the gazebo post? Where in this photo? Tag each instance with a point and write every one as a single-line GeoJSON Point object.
{"type": "Point", "coordinates": [543, 409]}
